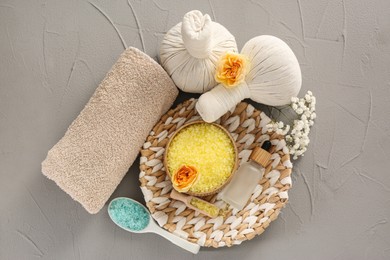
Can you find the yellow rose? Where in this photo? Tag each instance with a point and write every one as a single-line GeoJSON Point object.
{"type": "Point", "coordinates": [231, 69]}
{"type": "Point", "coordinates": [184, 178]}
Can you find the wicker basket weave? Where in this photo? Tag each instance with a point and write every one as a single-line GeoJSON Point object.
{"type": "Point", "coordinates": [270, 195]}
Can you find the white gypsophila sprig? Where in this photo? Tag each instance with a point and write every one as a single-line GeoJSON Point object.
{"type": "Point", "coordinates": [298, 138]}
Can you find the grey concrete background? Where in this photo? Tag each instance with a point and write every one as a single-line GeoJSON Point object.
{"type": "Point", "coordinates": [54, 53]}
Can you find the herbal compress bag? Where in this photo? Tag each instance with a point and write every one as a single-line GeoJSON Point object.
{"type": "Point", "coordinates": [272, 76]}
{"type": "Point", "coordinates": [191, 49]}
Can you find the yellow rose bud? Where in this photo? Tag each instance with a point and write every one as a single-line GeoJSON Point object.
{"type": "Point", "coordinates": [231, 69]}
{"type": "Point", "coordinates": [184, 178]}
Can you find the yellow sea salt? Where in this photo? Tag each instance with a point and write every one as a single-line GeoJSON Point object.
{"type": "Point", "coordinates": [207, 148]}
{"type": "Point", "coordinates": [212, 210]}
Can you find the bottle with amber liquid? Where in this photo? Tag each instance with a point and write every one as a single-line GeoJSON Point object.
{"type": "Point", "coordinates": [248, 175]}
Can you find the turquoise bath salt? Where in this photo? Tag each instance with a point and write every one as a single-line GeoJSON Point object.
{"type": "Point", "coordinates": [129, 214]}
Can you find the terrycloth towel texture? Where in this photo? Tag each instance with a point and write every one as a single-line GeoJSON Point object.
{"type": "Point", "coordinates": [103, 141]}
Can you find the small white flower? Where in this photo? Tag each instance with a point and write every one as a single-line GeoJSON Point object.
{"type": "Point", "coordinates": [269, 127]}
{"type": "Point", "coordinates": [297, 135]}
{"type": "Point", "coordinates": [304, 142]}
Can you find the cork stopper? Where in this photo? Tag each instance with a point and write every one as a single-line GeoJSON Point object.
{"type": "Point", "coordinates": [261, 155]}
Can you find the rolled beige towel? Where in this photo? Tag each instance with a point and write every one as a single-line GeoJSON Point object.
{"type": "Point", "coordinates": [104, 140]}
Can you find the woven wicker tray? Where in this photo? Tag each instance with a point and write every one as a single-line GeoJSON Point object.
{"type": "Point", "coordinates": [270, 195]}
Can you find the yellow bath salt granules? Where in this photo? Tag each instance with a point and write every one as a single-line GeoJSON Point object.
{"type": "Point", "coordinates": [206, 148]}
{"type": "Point", "coordinates": [211, 209]}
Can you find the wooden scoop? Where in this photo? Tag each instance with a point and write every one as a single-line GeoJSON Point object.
{"type": "Point", "coordinates": [202, 206]}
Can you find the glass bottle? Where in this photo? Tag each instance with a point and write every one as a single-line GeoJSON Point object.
{"type": "Point", "coordinates": [248, 175]}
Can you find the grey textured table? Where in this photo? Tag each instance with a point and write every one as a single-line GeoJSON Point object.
{"type": "Point", "coordinates": [54, 53]}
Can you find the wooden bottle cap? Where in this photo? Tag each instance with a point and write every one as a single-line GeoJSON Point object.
{"type": "Point", "coordinates": [261, 155]}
